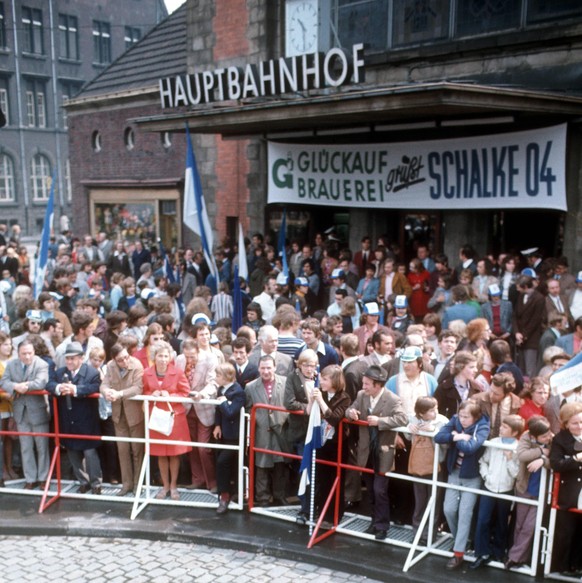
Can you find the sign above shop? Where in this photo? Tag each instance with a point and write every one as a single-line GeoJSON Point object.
{"type": "Point", "coordinates": [273, 77]}
{"type": "Point", "coordinates": [511, 171]}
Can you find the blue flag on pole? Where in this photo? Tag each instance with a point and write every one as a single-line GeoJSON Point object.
{"type": "Point", "coordinates": [195, 214]}
{"type": "Point", "coordinates": [44, 241]}
{"type": "Point", "coordinates": [237, 316]}
{"type": "Point", "coordinates": [313, 441]}
{"type": "Point", "coordinates": [168, 268]}
{"type": "Point", "coordinates": [282, 249]}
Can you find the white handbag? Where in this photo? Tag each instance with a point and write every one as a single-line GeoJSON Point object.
{"type": "Point", "coordinates": [161, 420]}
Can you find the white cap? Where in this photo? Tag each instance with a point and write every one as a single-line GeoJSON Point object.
{"type": "Point", "coordinates": [200, 318]}
{"type": "Point", "coordinates": [372, 309]}
{"type": "Point", "coordinates": [494, 290]}
{"type": "Point", "coordinates": [147, 293]}
{"type": "Point", "coordinates": [401, 302]}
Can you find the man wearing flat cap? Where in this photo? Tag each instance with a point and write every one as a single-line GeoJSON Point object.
{"type": "Point", "coordinates": [74, 384]}
{"type": "Point", "coordinates": [383, 412]}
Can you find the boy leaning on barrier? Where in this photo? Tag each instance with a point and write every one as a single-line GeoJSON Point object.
{"type": "Point", "coordinates": [499, 468]}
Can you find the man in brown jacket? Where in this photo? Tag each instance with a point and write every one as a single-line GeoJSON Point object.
{"type": "Point", "coordinates": [392, 282]}
{"type": "Point", "coordinates": [124, 380]}
{"type": "Point", "coordinates": [383, 412]}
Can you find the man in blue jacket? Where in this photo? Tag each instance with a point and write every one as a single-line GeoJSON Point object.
{"type": "Point", "coordinates": [78, 414]}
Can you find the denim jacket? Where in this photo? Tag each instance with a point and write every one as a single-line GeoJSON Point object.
{"type": "Point", "coordinates": [471, 449]}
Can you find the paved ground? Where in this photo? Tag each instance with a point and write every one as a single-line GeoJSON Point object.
{"type": "Point", "coordinates": [257, 543]}
{"type": "Point", "coordinates": [115, 560]}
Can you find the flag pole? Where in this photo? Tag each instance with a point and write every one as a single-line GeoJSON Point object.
{"type": "Point", "coordinates": [195, 212]}
{"type": "Point", "coordinates": [43, 251]}
{"type": "Point", "coordinates": [312, 488]}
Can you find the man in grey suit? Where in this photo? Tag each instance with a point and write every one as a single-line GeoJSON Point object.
{"type": "Point", "coordinates": [271, 473]}
{"type": "Point", "coordinates": [267, 346]}
{"type": "Point", "coordinates": [24, 374]}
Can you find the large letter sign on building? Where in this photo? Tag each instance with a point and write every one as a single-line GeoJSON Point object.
{"type": "Point", "coordinates": [513, 170]}
{"type": "Point", "coordinates": [273, 77]}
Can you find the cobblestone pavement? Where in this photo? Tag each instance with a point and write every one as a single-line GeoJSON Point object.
{"type": "Point", "coordinates": [83, 560]}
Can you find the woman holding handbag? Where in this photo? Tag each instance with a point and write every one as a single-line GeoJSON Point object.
{"type": "Point", "coordinates": [163, 379]}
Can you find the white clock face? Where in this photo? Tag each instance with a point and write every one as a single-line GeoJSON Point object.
{"type": "Point", "coordinates": [302, 27]}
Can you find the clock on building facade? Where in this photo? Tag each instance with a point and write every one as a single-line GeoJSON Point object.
{"type": "Point", "coordinates": [302, 27]}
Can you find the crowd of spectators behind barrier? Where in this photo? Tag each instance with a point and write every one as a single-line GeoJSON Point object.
{"type": "Point", "coordinates": [462, 352]}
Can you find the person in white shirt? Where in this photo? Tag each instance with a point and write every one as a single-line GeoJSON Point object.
{"type": "Point", "coordinates": [266, 299]}
{"type": "Point", "coordinates": [575, 298]}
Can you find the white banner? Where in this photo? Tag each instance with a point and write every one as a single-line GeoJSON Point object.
{"type": "Point", "coordinates": [502, 171]}
{"type": "Point", "coordinates": [567, 377]}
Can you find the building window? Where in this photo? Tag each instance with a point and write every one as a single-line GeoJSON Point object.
{"type": "Point", "coordinates": [541, 10]}
{"type": "Point", "coordinates": [101, 42]}
{"type": "Point", "coordinates": [69, 37]}
{"type": "Point", "coordinates": [68, 90]}
{"type": "Point", "coordinates": [32, 30]}
{"type": "Point", "coordinates": [6, 179]}
{"type": "Point", "coordinates": [474, 18]}
{"type": "Point", "coordinates": [166, 140]}
{"type": "Point", "coordinates": [4, 100]}
{"type": "Point", "coordinates": [381, 24]}
{"type": "Point", "coordinates": [361, 21]}
{"type": "Point", "coordinates": [35, 104]}
{"type": "Point", "coordinates": [3, 43]}
{"type": "Point", "coordinates": [420, 22]}
{"type": "Point", "coordinates": [129, 138]}
{"type": "Point", "coordinates": [132, 35]}
{"type": "Point", "coordinates": [96, 141]}
{"type": "Point", "coordinates": [41, 178]}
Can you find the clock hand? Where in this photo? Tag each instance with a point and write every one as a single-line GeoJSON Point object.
{"type": "Point", "coordinates": [302, 26]}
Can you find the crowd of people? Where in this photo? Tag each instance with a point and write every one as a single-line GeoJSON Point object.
{"type": "Point", "coordinates": [457, 355]}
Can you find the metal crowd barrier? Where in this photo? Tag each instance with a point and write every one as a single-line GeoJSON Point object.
{"type": "Point", "coordinates": [57, 488]}
{"type": "Point", "coordinates": [353, 524]}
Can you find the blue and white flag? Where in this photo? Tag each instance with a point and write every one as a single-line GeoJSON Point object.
{"type": "Point", "coordinates": [168, 268]}
{"type": "Point", "coordinates": [195, 214]}
{"type": "Point", "coordinates": [43, 251]}
{"type": "Point", "coordinates": [567, 377]}
{"type": "Point", "coordinates": [243, 266]}
{"type": "Point", "coordinates": [312, 442]}
{"type": "Point", "coordinates": [282, 248]}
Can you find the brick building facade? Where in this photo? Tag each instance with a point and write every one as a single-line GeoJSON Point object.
{"type": "Point", "coordinates": [436, 74]}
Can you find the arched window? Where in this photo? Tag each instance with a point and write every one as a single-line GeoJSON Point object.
{"type": "Point", "coordinates": [7, 193]}
{"type": "Point", "coordinates": [129, 138]}
{"type": "Point", "coordinates": [40, 177]}
{"type": "Point", "coordinates": [96, 141]}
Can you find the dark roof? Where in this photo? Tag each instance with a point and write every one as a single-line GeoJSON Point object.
{"type": "Point", "coordinates": [161, 53]}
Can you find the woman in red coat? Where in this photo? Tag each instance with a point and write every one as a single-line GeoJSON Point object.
{"type": "Point", "coordinates": [419, 278]}
{"type": "Point", "coordinates": [163, 379]}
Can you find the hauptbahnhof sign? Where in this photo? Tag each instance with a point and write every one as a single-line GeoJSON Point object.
{"type": "Point", "coordinates": [334, 68]}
